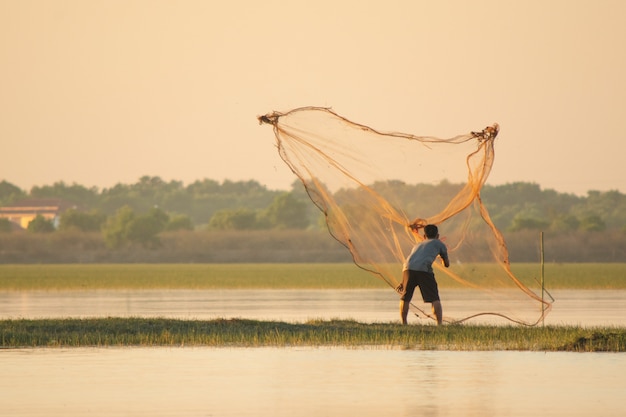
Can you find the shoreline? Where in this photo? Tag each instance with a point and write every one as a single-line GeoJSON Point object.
{"type": "Point", "coordinates": [153, 332]}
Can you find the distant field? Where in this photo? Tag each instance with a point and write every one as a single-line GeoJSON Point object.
{"type": "Point", "coordinates": [188, 276]}
{"type": "Point", "coordinates": [250, 276]}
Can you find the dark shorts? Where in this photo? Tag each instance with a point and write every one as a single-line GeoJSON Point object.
{"type": "Point", "coordinates": [424, 280]}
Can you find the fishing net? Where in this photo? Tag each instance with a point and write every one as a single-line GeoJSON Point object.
{"type": "Point", "coordinates": [377, 190]}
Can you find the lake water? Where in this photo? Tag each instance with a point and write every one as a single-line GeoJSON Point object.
{"type": "Point", "coordinates": [574, 307]}
{"type": "Point", "coordinates": [308, 382]}
{"type": "Point", "coordinates": [302, 381]}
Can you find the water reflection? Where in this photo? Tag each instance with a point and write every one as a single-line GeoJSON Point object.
{"type": "Point", "coordinates": [574, 307]}
{"type": "Point", "coordinates": [308, 382]}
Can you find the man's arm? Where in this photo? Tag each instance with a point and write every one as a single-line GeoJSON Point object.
{"type": "Point", "coordinates": [444, 257]}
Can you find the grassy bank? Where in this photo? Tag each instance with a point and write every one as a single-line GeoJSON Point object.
{"type": "Point", "coordinates": [185, 276]}
{"type": "Point", "coordinates": [258, 276]}
{"type": "Point", "coordinates": [250, 333]}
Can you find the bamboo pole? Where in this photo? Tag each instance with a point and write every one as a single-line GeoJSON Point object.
{"type": "Point", "coordinates": [543, 304]}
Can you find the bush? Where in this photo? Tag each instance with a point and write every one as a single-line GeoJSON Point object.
{"type": "Point", "coordinates": [116, 229]}
{"type": "Point", "coordinates": [126, 227]}
{"type": "Point", "coordinates": [145, 228]}
{"type": "Point", "coordinates": [238, 219]}
{"type": "Point", "coordinates": [80, 220]}
{"type": "Point", "coordinates": [5, 225]}
{"type": "Point", "coordinates": [41, 225]}
{"type": "Point", "coordinates": [287, 212]}
{"type": "Point", "coordinates": [179, 222]}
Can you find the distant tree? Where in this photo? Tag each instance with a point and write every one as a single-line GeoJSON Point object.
{"type": "Point", "coordinates": [179, 222]}
{"type": "Point", "coordinates": [146, 193]}
{"type": "Point", "coordinates": [199, 200]}
{"type": "Point", "coordinates": [521, 222]}
{"type": "Point", "coordinates": [238, 219]}
{"type": "Point", "coordinates": [565, 223]}
{"type": "Point", "coordinates": [84, 221]}
{"type": "Point", "coordinates": [511, 206]}
{"type": "Point", "coordinates": [315, 217]}
{"type": "Point", "coordinates": [204, 188]}
{"type": "Point", "coordinates": [287, 212]}
{"type": "Point", "coordinates": [126, 227]}
{"type": "Point", "coordinates": [505, 202]}
{"type": "Point", "coordinates": [513, 193]}
{"type": "Point", "coordinates": [592, 223]}
{"type": "Point", "coordinates": [116, 197]}
{"type": "Point", "coordinates": [609, 205]}
{"type": "Point", "coordinates": [242, 187]}
{"type": "Point", "coordinates": [10, 193]}
{"type": "Point", "coordinates": [144, 229]}
{"type": "Point", "coordinates": [78, 194]}
{"type": "Point", "coordinates": [117, 227]}
{"type": "Point", "coordinates": [5, 225]}
{"type": "Point", "coordinates": [40, 225]}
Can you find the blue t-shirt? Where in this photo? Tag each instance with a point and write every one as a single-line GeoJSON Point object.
{"type": "Point", "coordinates": [424, 254]}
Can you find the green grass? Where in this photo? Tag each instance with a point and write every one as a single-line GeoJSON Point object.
{"type": "Point", "coordinates": [188, 276]}
{"type": "Point", "coordinates": [337, 333]}
{"type": "Point", "coordinates": [557, 275]}
{"type": "Point", "coordinates": [267, 276]}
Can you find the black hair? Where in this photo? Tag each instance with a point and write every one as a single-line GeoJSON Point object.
{"type": "Point", "coordinates": [431, 231]}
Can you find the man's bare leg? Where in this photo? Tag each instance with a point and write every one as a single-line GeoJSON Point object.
{"type": "Point", "coordinates": [404, 311]}
{"type": "Point", "coordinates": [438, 311]}
{"type": "Point", "coordinates": [404, 305]}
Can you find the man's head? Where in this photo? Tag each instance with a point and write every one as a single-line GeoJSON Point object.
{"type": "Point", "coordinates": [431, 231]}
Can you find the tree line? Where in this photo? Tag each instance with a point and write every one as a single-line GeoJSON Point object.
{"type": "Point", "coordinates": [250, 205]}
{"type": "Point", "coordinates": [141, 212]}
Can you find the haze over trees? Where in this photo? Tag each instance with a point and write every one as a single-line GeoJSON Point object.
{"type": "Point", "coordinates": [144, 212]}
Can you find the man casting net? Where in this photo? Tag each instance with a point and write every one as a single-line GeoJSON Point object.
{"type": "Point", "coordinates": [376, 192]}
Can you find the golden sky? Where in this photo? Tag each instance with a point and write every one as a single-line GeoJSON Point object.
{"type": "Point", "coordinates": [105, 91]}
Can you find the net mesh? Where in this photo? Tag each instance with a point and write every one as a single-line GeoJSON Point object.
{"type": "Point", "coordinates": [356, 176]}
